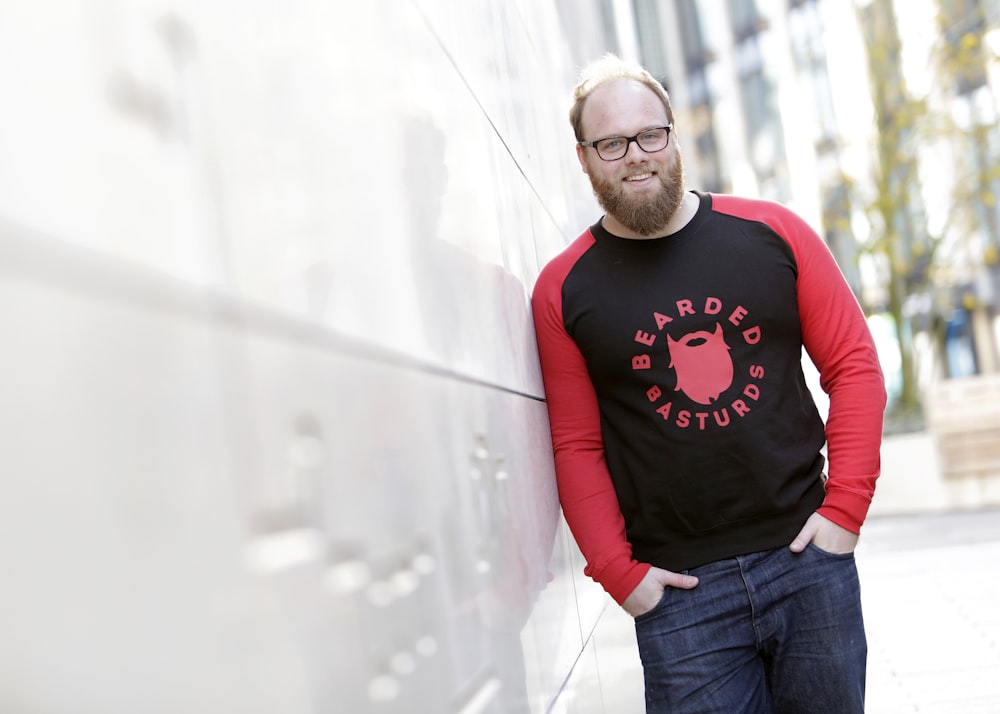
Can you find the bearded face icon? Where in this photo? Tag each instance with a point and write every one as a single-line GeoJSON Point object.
{"type": "Point", "coordinates": [703, 365]}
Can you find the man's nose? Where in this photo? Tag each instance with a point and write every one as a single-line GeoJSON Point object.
{"type": "Point", "coordinates": [634, 152]}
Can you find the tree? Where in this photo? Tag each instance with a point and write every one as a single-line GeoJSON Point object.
{"type": "Point", "coordinates": [899, 241]}
{"type": "Point", "coordinates": [962, 62]}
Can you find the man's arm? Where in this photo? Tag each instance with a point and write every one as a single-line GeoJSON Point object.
{"type": "Point", "coordinates": [586, 492]}
{"type": "Point", "coordinates": [836, 336]}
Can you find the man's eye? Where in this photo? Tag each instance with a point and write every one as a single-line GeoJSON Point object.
{"type": "Point", "coordinates": [651, 135]}
{"type": "Point", "coordinates": [611, 144]}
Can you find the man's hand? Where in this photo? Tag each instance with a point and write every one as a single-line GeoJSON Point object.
{"type": "Point", "coordinates": [650, 589]}
{"type": "Point", "coordinates": [827, 536]}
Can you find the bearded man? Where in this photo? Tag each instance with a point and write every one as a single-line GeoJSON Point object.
{"type": "Point", "coordinates": [689, 450]}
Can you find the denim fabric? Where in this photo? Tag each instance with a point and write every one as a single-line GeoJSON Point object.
{"type": "Point", "coordinates": [773, 632]}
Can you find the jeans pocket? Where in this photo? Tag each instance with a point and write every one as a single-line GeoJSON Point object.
{"type": "Point", "coordinates": [813, 548]}
{"type": "Point", "coordinates": [657, 607]}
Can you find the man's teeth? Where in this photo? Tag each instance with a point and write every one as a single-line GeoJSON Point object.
{"type": "Point", "coordinates": [638, 177]}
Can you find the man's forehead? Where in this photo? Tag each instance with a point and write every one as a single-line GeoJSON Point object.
{"type": "Point", "coordinates": [620, 102]}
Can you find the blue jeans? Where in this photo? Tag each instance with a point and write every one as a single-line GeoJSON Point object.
{"type": "Point", "coordinates": [767, 633]}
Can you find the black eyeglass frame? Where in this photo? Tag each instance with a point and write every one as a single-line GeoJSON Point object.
{"type": "Point", "coordinates": [628, 141]}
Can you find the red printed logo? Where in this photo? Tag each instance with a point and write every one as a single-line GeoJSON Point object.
{"type": "Point", "coordinates": [702, 363]}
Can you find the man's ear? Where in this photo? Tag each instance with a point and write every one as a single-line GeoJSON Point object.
{"type": "Point", "coordinates": [583, 159]}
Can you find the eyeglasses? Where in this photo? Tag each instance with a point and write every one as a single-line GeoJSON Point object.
{"type": "Point", "coordinates": [614, 147]}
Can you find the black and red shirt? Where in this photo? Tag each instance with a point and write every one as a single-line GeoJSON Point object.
{"type": "Point", "coordinates": [683, 428]}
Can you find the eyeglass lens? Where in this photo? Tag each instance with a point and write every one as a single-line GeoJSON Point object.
{"type": "Point", "coordinates": [615, 147]}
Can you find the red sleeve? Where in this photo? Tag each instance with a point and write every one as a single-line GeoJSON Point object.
{"type": "Point", "coordinates": [837, 338]}
{"type": "Point", "coordinates": [586, 492]}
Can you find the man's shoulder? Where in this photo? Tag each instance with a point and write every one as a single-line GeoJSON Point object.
{"type": "Point", "coordinates": [747, 207]}
{"type": "Point", "coordinates": [778, 217]}
{"type": "Point", "coordinates": [556, 269]}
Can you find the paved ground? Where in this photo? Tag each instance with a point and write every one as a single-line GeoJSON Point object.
{"type": "Point", "coordinates": [931, 591]}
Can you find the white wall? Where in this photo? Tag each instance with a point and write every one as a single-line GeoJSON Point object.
{"type": "Point", "coordinates": [274, 437]}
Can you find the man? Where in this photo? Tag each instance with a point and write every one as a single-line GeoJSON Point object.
{"type": "Point", "coordinates": [687, 444]}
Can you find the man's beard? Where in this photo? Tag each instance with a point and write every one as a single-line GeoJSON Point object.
{"type": "Point", "coordinates": [646, 217]}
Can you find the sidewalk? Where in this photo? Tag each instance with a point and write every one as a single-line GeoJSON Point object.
{"type": "Point", "coordinates": [913, 480]}
{"type": "Point", "coordinates": [931, 591]}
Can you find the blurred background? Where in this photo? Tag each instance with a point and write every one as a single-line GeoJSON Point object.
{"type": "Point", "coordinates": [273, 430]}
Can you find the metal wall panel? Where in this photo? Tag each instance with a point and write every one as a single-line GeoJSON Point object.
{"type": "Point", "coordinates": [216, 507]}
{"type": "Point", "coordinates": [274, 429]}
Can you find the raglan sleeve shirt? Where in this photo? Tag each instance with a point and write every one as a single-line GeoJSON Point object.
{"type": "Point", "coordinates": [835, 335]}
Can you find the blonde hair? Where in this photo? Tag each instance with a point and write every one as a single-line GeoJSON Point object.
{"type": "Point", "coordinates": [611, 67]}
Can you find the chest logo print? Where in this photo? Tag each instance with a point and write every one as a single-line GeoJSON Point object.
{"type": "Point", "coordinates": [701, 362]}
{"type": "Point", "coordinates": [703, 365]}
